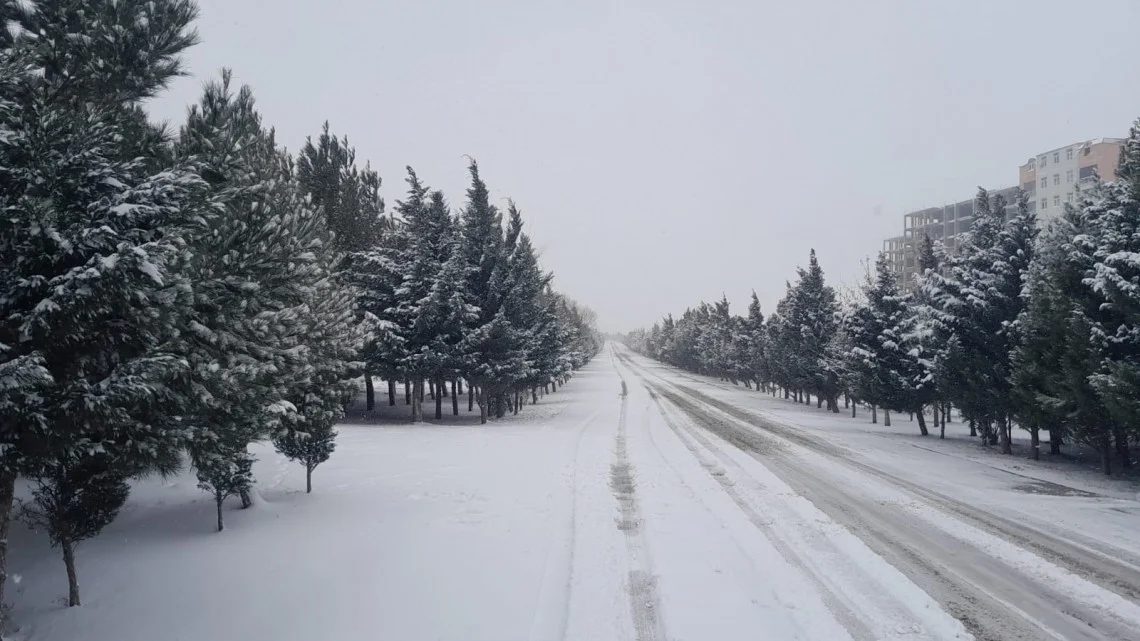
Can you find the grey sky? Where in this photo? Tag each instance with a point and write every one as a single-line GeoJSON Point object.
{"type": "Point", "coordinates": [665, 152]}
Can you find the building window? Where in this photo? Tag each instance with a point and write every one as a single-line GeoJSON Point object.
{"type": "Point", "coordinates": [1056, 156]}
{"type": "Point", "coordinates": [1044, 182]}
{"type": "Point", "coordinates": [1069, 197]}
{"type": "Point", "coordinates": [1043, 159]}
{"type": "Point", "coordinates": [1056, 179]}
{"type": "Point", "coordinates": [1057, 200]}
{"type": "Point", "coordinates": [1069, 153]}
{"type": "Point", "coordinates": [1044, 203]}
{"type": "Point", "coordinates": [1069, 176]}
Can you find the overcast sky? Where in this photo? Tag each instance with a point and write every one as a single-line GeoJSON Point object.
{"type": "Point", "coordinates": [666, 152]}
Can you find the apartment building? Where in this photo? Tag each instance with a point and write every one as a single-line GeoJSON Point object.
{"type": "Point", "coordinates": [944, 223]}
{"type": "Point", "coordinates": [1052, 178]}
{"type": "Point", "coordinates": [1049, 179]}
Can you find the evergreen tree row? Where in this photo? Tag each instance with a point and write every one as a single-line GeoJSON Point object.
{"type": "Point", "coordinates": [1013, 329]}
{"type": "Point", "coordinates": [172, 297]}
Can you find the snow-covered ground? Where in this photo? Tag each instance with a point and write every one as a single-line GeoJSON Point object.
{"type": "Point", "coordinates": [688, 510]}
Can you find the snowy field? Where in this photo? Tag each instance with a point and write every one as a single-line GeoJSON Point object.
{"type": "Point", "coordinates": [689, 510]}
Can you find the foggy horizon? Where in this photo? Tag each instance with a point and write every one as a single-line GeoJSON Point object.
{"type": "Point", "coordinates": [663, 155]}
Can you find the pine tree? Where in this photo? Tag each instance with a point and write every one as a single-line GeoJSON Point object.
{"type": "Point", "coordinates": [255, 276]}
{"type": "Point", "coordinates": [974, 311]}
{"type": "Point", "coordinates": [813, 321]}
{"type": "Point", "coordinates": [1114, 279]}
{"type": "Point", "coordinates": [865, 324]}
{"type": "Point", "coordinates": [490, 345]}
{"type": "Point", "coordinates": [757, 344]}
{"type": "Point", "coordinates": [93, 252]}
{"type": "Point", "coordinates": [333, 338]}
{"type": "Point", "coordinates": [347, 197]}
{"type": "Point", "coordinates": [73, 502]}
{"type": "Point", "coordinates": [1036, 376]}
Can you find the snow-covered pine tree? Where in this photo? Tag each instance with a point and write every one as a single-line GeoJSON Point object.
{"type": "Point", "coordinates": [254, 272]}
{"type": "Point", "coordinates": [347, 197]}
{"type": "Point", "coordinates": [1115, 280]}
{"type": "Point", "coordinates": [423, 313]}
{"type": "Point", "coordinates": [975, 306]}
{"type": "Point", "coordinates": [332, 339]}
{"type": "Point", "coordinates": [813, 315]}
{"type": "Point", "coordinates": [93, 251]}
{"type": "Point", "coordinates": [864, 323]}
{"type": "Point", "coordinates": [74, 501]}
{"type": "Point", "coordinates": [905, 349]}
{"type": "Point", "coordinates": [490, 345]}
{"type": "Point", "coordinates": [445, 305]}
{"type": "Point", "coordinates": [524, 303]}
{"type": "Point", "coordinates": [1036, 374]}
{"type": "Point", "coordinates": [757, 344]}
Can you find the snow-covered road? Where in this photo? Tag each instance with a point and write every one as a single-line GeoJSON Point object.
{"type": "Point", "coordinates": [892, 549]}
{"type": "Point", "coordinates": [689, 509]}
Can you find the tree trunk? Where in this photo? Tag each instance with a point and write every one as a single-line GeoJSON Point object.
{"type": "Point", "coordinates": [72, 580]}
{"type": "Point", "coordinates": [455, 392]}
{"type": "Point", "coordinates": [308, 479]}
{"type": "Point", "coordinates": [482, 405]}
{"type": "Point", "coordinates": [7, 498]}
{"type": "Point", "coordinates": [391, 393]}
{"type": "Point", "coordinates": [886, 417]}
{"type": "Point", "coordinates": [407, 392]}
{"type": "Point", "coordinates": [942, 427]}
{"type": "Point", "coordinates": [459, 385]}
{"type": "Point", "coordinates": [912, 417]}
{"type": "Point", "coordinates": [846, 401]}
{"type": "Point", "coordinates": [936, 413]}
{"type": "Point", "coordinates": [921, 423]}
{"type": "Point", "coordinates": [534, 396]}
{"type": "Point", "coordinates": [442, 387]}
{"type": "Point", "coordinates": [1006, 436]}
{"type": "Point", "coordinates": [946, 414]}
{"type": "Point", "coordinates": [1121, 438]}
{"type": "Point", "coordinates": [1106, 457]}
{"type": "Point", "coordinates": [853, 406]}
{"type": "Point", "coordinates": [369, 392]}
{"type": "Point", "coordinates": [1035, 442]}
{"type": "Point", "coordinates": [246, 500]}
{"type": "Point", "coordinates": [818, 401]}
{"type": "Point", "coordinates": [748, 383]}
{"type": "Point", "coordinates": [518, 401]}
{"type": "Point", "coordinates": [439, 387]}
{"type": "Point", "coordinates": [218, 498]}
{"type": "Point", "coordinates": [874, 415]}
{"type": "Point", "coordinates": [431, 389]}
{"type": "Point", "coordinates": [417, 401]}
{"type": "Point", "coordinates": [973, 428]}
{"type": "Point", "coordinates": [470, 397]}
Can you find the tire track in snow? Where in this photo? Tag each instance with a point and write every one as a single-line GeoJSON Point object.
{"type": "Point", "coordinates": [552, 611]}
{"type": "Point", "coordinates": [1119, 573]}
{"type": "Point", "coordinates": [994, 602]}
{"type": "Point", "coordinates": [834, 601]}
{"type": "Point", "coordinates": [1109, 567]}
{"type": "Point", "coordinates": [645, 606]}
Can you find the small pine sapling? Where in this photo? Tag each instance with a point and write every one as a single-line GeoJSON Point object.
{"type": "Point", "coordinates": [308, 448]}
{"type": "Point", "coordinates": [73, 501]}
